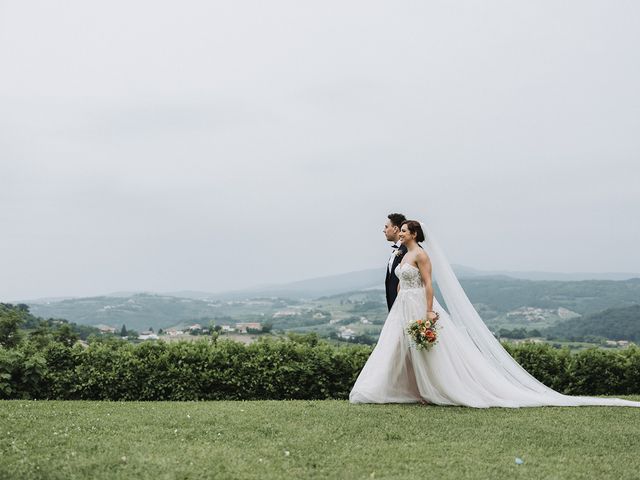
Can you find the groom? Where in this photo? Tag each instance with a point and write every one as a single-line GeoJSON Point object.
{"type": "Point", "coordinates": [392, 232]}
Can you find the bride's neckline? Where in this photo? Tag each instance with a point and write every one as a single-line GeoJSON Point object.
{"type": "Point", "coordinates": [407, 263]}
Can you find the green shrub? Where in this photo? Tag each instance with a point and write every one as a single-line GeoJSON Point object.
{"type": "Point", "coordinates": [21, 374]}
{"type": "Point", "coordinates": [632, 369]}
{"type": "Point", "coordinates": [547, 364]}
{"type": "Point", "coordinates": [60, 378]}
{"type": "Point", "coordinates": [598, 372]}
{"type": "Point", "coordinates": [298, 367]}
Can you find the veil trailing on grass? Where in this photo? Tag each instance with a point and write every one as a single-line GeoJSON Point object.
{"type": "Point", "coordinates": [465, 317]}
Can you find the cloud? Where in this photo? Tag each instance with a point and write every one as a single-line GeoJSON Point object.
{"type": "Point", "coordinates": [145, 146]}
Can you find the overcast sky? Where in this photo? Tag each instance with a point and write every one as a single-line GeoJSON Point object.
{"type": "Point", "coordinates": [148, 145]}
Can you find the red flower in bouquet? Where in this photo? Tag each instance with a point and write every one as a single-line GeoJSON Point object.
{"type": "Point", "coordinates": [423, 332]}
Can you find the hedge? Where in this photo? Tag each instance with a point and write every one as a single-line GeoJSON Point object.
{"type": "Point", "coordinates": [298, 368]}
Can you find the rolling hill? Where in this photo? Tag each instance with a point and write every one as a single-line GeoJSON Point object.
{"type": "Point", "coordinates": [613, 323]}
{"type": "Point", "coordinates": [495, 298]}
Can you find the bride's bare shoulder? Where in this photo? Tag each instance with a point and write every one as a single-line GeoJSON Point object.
{"type": "Point", "coordinates": [422, 255]}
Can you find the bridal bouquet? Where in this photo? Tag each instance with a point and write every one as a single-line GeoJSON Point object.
{"type": "Point", "coordinates": [423, 332]}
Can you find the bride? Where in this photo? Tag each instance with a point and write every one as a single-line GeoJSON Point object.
{"type": "Point", "coordinates": [467, 366]}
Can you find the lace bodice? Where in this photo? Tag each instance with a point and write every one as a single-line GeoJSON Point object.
{"type": "Point", "coordinates": [409, 276]}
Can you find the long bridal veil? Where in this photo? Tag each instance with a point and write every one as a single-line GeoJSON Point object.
{"type": "Point", "coordinates": [464, 316]}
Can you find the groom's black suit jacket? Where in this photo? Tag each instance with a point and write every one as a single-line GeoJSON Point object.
{"type": "Point", "coordinates": [391, 281]}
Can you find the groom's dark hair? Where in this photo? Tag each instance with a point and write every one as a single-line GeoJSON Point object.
{"type": "Point", "coordinates": [397, 219]}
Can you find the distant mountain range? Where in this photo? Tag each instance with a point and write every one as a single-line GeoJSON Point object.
{"type": "Point", "coordinates": [372, 278]}
{"type": "Point", "coordinates": [493, 294]}
{"type": "Point", "coordinates": [467, 272]}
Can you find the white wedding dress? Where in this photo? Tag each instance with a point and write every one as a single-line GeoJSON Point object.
{"type": "Point", "coordinates": [463, 368]}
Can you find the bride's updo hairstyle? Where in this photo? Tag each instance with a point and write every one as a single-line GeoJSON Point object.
{"type": "Point", "coordinates": [415, 227]}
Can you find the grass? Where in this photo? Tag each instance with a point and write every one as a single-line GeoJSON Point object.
{"type": "Point", "coordinates": [313, 439]}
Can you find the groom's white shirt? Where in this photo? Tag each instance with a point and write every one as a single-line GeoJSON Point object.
{"type": "Point", "coordinates": [393, 255]}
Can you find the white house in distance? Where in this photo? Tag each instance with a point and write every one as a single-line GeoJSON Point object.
{"type": "Point", "coordinates": [243, 327]}
{"type": "Point", "coordinates": [346, 333]}
{"type": "Point", "coordinates": [148, 335]}
{"type": "Point", "coordinates": [106, 328]}
{"type": "Point", "coordinates": [173, 332]}
{"type": "Point", "coordinates": [285, 313]}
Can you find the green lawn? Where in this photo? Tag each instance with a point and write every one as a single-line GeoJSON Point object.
{"type": "Point", "coordinates": [313, 439]}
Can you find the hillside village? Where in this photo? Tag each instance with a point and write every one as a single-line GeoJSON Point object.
{"type": "Point", "coordinates": [513, 309]}
{"type": "Point", "coordinates": [195, 329]}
